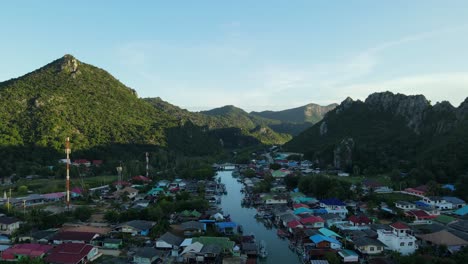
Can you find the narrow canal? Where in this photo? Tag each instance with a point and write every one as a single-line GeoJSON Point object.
{"type": "Point", "coordinates": [278, 251]}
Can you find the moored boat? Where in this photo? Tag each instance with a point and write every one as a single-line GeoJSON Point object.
{"type": "Point", "coordinates": [262, 252]}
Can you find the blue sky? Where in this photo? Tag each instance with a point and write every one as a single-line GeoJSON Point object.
{"type": "Point", "coordinates": [257, 55]}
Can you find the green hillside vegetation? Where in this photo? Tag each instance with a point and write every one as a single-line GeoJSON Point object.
{"type": "Point", "coordinates": [226, 117]}
{"type": "Point", "coordinates": [391, 132]}
{"type": "Point", "coordinates": [68, 98]}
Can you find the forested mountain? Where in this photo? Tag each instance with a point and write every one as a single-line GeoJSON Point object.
{"type": "Point", "coordinates": [390, 131]}
{"type": "Point", "coordinates": [274, 131]}
{"type": "Point", "coordinates": [68, 98]}
{"type": "Point", "coordinates": [311, 113]}
{"type": "Point", "coordinates": [226, 117]}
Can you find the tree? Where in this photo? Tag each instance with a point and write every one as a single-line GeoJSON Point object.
{"type": "Point", "coordinates": [23, 189]}
{"type": "Point", "coordinates": [111, 216]}
{"type": "Point", "coordinates": [82, 213]}
{"type": "Point", "coordinates": [332, 258]}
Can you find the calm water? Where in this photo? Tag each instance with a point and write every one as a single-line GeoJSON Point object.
{"type": "Point", "coordinates": [278, 251]}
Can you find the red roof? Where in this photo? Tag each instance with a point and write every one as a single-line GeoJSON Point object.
{"type": "Point", "coordinates": [30, 250]}
{"type": "Point", "coordinates": [361, 220]}
{"type": "Point", "coordinates": [299, 205]}
{"type": "Point", "coordinates": [420, 214]}
{"type": "Point", "coordinates": [399, 225]}
{"type": "Point", "coordinates": [68, 253]}
{"type": "Point", "coordinates": [294, 224]}
{"type": "Point", "coordinates": [141, 178]}
{"type": "Point", "coordinates": [74, 236]}
{"type": "Point", "coordinates": [123, 183]}
{"type": "Point", "coordinates": [81, 161]}
{"type": "Point", "coordinates": [312, 220]}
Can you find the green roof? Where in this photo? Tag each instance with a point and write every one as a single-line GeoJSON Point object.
{"type": "Point", "coordinates": [279, 174]}
{"type": "Point", "coordinates": [444, 219]}
{"type": "Point", "coordinates": [223, 242]}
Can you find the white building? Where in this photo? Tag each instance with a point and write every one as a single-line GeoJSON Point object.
{"type": "Point", "coordinates": [399, 239]}
{"type": "Point", "coordinates": [438, 202]}
{"type": "Point", "coordinates": [404, 205]}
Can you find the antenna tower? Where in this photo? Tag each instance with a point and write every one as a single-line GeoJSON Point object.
{"type": "Point", "coordinates": [68, 151]}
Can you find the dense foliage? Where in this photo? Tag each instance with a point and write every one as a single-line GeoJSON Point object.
{"type": "Point", "coordinates": [104, 119]}
{"type": "Point", "coordinates": [394, 133]}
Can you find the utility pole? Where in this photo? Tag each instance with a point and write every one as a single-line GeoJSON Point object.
{"type": "Point", "coordinates": [119, 176]}
{"type": "Point", "coordinates": [147, 165]}
{"type": "Point", "coordinates": [68, 151]}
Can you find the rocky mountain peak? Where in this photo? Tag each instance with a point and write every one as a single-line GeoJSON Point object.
{"type": "Point", "coordinates": [411, 107]}
{"type": "Point", "coordinates": [69, 64]}
{"type": "Point", "coordinates": [462, 110]}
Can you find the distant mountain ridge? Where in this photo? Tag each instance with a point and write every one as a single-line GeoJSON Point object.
{"type": "Point", "coordinates": [311, 113]}
{"type": "Point", "coordinates": [232, 116]}
{"type": "Point", "coordinates": [389, 131]}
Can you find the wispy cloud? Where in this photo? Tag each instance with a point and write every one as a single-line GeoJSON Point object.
{"type": "Point", "coordinates": [326, 83]}
{"type": "Point", "coordinates": [277, 85]}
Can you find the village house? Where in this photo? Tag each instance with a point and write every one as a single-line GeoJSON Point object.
{"type": "Point", "coordinates": [368, 246]}
{"type": "Point", "coordinates": [324, 242]}
{"type": "Point", "coordinates": [190, 252]}
{"type": "Point", "coordinates": [329, 233]}
{"type": "Point", "coordinates": [72, 253]}
{"type": "Point", "coordinates": [136, 227]}
{"type": "Point", "coordinates": [444, 238]}
{"type": "Point", "coordinates": [334, 206]}
{"type": "Point", "coordinates": [419, 191]}
{"type": "Point", "coordinates": [455, 201]}
{"type": "Point", "coordinates": [112, 243]}
{"type": "Point", "coordinates": [348, 256]}
{"type": "Point", "coordinates": [19, 251]}
{"type": "Point", "coordinates": [128, 191]}
{"type": "Point", "coordinates": [285, 218]}
{"type": "Point", "coordinates": [292, 225]}
{"type": "Point", "coordinates": [360, 220]}
{"type": "Point", "coordinates": [332, 219]}
{"type": "Point", "coordinates": [399, 239]}
{"type": "Point", "coordinates": [419, 215]}
{"type": "Point", "coordinates": [375, 186]}
{"type": "Point", "coordinates": [225, 245]}
{"type": "Point", "coordinates": [146, 255]}
{"type": "Point", "coordinates": [193, 227]}
{"type": "Point", "coordinates": [74, 237]}
{"type": "Point", "coordinates": [313, 222]}
{"type": "Point", "coordinates": [169, 241]}
{"type": "Point", "coordinates": [438, 202]}
{"type": "Point", "coordinates": [404, 205]}
{"type": "Point", "coordinates": [8, 225]}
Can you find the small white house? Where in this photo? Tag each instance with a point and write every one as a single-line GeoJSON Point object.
{"type": "Point", "coordinates": [404, 205]}
{"type": "Point", "coordinates": [438, 202]}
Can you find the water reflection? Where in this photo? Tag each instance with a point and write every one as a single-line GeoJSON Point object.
{"type": "Point", "coordinates": [278, 251]}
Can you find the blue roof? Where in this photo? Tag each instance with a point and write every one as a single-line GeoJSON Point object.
{"type": "Point", "coordinates": [423, 204]}
{"type": "Point", "coordinates": [332, 201]}
{"type": "Point", "coordinates": [320, 211]}
{"type": "Point", "coordinates": [319, 238]}
{"type": "Point", "coordinates": [454, 200]}
{"type": "Point", "coordinates": [303, 210]}
{"type": "Point", "coordinates": [328, 233]}
{"type": "Point", "coordinates": [462, 211]}
{"type": "Point", "coordinates": [224, 225]}
{"type": "Point", "coordinates": [449, 186]}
